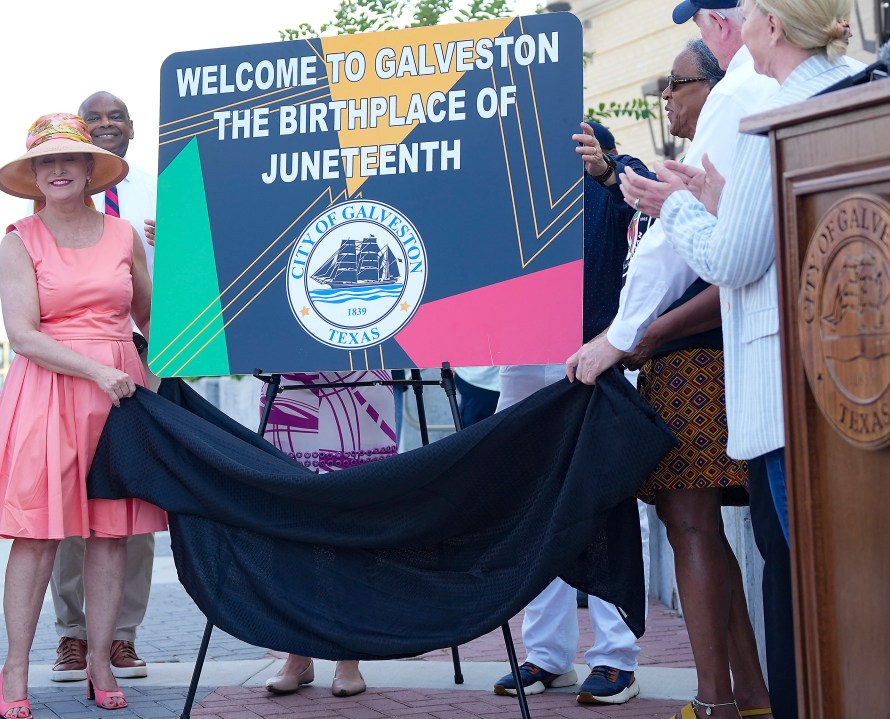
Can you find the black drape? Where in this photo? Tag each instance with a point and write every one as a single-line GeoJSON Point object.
{"type": "Point", "coordinates": [425, 550]}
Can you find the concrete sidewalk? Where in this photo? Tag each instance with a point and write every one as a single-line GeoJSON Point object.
{"type": "Point", "coordinates": [422, 688]}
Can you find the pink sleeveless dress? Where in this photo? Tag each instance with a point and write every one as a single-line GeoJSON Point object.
{"type": "Point", "coordinates": [49, 422]}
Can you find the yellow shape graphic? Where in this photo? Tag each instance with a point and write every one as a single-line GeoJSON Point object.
{"type": "Point", "coordinates": [401, 88]}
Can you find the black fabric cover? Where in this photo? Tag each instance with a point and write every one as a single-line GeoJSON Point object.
{"type": "Point", "coordinates": [425, 550]}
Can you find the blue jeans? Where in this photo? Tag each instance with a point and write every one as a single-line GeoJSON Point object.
{"type": "Point", "coordinates": [775, 472]}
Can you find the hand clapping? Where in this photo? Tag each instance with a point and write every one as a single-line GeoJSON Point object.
{"type": "Point", "coordinates": [648, 195]}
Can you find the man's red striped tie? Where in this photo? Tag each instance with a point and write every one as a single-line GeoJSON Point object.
{"type": "Point", "coordinates": [112, 207]}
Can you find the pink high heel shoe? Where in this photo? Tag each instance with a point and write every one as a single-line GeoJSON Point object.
{"type": "Point", "coordinates": [105, 700]}
{"type": "Point", "coordinates": [19, 709]}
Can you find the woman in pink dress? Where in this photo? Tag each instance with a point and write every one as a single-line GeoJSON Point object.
{"type": "Point", "coordinates": [70, 278]}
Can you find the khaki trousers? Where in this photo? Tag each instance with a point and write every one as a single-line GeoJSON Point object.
{"type": "Point", "coordinates": [67, 587]}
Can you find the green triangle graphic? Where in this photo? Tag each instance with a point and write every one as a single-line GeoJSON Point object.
{"type": "Point", "coordinates": [187, 333]}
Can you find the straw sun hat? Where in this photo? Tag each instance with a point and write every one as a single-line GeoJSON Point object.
{"type": "Point", "coordinates": [60, 134]}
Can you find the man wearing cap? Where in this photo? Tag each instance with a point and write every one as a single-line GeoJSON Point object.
{"type": "Point", "coordinates": [550, 627]}
{"type": "Point", "coordinates": [133, 199]}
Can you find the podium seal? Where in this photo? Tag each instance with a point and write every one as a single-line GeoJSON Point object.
{"type": "Point", "coordinates": [356, 274]}
{"type": "Point", "coordinates": [844, 318]}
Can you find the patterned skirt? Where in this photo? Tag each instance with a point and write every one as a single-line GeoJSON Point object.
{"type": "Point", "coordinates": [687, 390]}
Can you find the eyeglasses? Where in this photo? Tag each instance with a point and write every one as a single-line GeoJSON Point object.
{"type": "Point", "coordinates": [674, 80]}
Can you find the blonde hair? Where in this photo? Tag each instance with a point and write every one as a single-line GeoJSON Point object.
{"type": "Point", "coordinates": [812, 24]}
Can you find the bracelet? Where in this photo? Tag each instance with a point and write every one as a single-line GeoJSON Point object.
{"type": "Point", "coordinates": [610, 169]}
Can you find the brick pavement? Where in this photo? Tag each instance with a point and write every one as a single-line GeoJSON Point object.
{"type": "Point", "coordinates": [171, 634]}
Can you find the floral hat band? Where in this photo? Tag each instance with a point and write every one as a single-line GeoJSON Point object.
{"type": "Point", "coordinates": [60, 133]}
{"type": "Point", "coordinates": [58, 126]}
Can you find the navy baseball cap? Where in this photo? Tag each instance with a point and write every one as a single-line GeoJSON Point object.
{"type": "Point", "coordinates": [686, 9]}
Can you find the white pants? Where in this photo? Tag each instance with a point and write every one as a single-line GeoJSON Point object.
{"type": "Point", "coordinates": [550, 628]}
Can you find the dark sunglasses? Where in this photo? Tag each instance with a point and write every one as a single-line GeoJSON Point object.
{"type": "Point", "coordinates": [673, 81]}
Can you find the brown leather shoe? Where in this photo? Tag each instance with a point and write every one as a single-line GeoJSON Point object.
{"type": "Point", "coordinates": [71, 661]}
{"type": "Point", "coordinates": [125, 663]}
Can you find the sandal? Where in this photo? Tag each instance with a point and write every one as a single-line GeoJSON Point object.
{"type": "Point", "coordinates": [105, 700]}
{"type": "Point", "coordinates": [18, 709]}
{"type": "Point", "coordinates": [756, 712]}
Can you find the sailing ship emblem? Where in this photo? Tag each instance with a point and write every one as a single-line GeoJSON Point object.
{"type": "Point", "coordinates": [357, 274]}
{"type": "Point", "coordinates": [365, 265]}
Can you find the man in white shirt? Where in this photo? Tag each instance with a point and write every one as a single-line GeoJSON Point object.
{"type": "Point", "coordinates": [111, 128]}
{"type": "Point", "coordinates": [550, 630]}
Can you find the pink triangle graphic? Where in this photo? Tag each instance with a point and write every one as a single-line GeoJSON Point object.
{"type": "Point", "coordinates": [534, 319]}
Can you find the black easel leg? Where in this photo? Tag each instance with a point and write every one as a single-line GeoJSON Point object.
{"type": "Point", "coordinates": [421, 410]}
{"type": "Point", "coordinates": [272, 389]}
{"type": "Point", "coordinates": [196, 675]}
{"type": "Point", "coordinates": [514, 668]}
{"type": "Point", "coordinates": [451, 392]}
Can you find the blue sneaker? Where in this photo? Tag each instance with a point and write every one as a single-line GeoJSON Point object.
{"type": "Point", "coordinates": [606, 685]}
{"type": "Point", "coordinates": [534, 680]}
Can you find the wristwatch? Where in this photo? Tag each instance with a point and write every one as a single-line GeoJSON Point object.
{"type": "Point", "coordinates": [610, 169]}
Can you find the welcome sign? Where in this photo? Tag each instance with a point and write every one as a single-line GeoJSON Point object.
{"type": "Point", "coordinates": [384, 200]}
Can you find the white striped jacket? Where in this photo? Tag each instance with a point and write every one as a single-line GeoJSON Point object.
{"type": "Point", "coordinates": [736, 251]}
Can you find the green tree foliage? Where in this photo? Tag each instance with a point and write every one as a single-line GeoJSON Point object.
{"type": "Point", "coordinates": [638, 108]}
{"type": "Point", "coordinates": [430, 12]}
{"type": "Point", "coordinates": [355, 16]}
{"type": "Point", "coordinates": [483, 10]}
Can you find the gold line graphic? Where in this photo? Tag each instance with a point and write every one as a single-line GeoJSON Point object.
{"type": "Point", "coordinates": [539, 232]}
{"type": "Point", "coordinates": [222, 329]}
{"type": "Point", "coordinates": [233, 104]}
{"type": "Point", "coordinates": [510, 181]}
{"type": "Point", "coordinates": [544, 247]}
{"type": "Point", "coordinates": [325, 93]}
{"type": "Point", "coordinates": [219, 297]}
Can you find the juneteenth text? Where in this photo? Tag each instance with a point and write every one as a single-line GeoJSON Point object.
{"type": "Point", "coordinates": [365, 161]}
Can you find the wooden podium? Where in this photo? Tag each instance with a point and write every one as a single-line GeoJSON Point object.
{"type": "Point", "coordinates": [831, 189]}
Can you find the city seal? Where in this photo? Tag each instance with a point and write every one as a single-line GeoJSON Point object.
{"type": "Point", "coordinates": [356, 274]}
{"type": "Point", "coordinates": [844, 318]}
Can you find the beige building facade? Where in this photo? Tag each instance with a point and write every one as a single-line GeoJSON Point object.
{"type": "Point", "coordinates": [633, 42]}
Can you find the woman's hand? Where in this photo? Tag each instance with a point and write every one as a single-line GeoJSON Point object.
{"type": "Point", "coordinates": [706, 185]}
{"type": "Point", "coordinates": [115, 383]}
{"type": "Point", "coordinates": [149, 230]}
{"type": "Point", "coordinates": [590, 151]}
{"type": "Point", "coordinates": [647, 195]}
{"type": "Point", "coordinates": [594, 358]}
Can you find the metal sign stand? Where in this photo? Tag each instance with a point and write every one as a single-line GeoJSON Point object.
{"type": "Point", "coordinates": [446, 382]}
